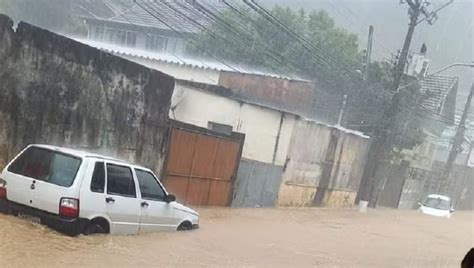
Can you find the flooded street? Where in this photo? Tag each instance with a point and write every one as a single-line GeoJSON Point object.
{"type": "Point", "coordinates": [255, 238]}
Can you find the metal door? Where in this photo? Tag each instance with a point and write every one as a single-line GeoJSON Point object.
{"type": "Point", "coordinates": [200, 167]}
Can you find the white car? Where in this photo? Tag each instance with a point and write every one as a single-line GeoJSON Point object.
{"type": "Point", "coordinates": [436, 205]}
{"type": "Point", "coordinates": [76, 192]}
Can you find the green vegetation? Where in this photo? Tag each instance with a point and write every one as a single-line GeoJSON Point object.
{"type": "Point", "coordinates": [247, 38]}
{"type": "Point", "coordinates": [331, 54]}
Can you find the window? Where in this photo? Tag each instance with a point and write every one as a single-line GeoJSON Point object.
{"type": "Point", "coordinates": [120, 181]}
{"type": "Point", "coordinates": [46, 165]}
{"type": "Point", "coordinates": [131, 39]}
{"type": "Point", "coordinates": [149, 187]}
{"type": "Point", "coordinates": [155, 43]}
{"type": "Point", "coordinates": [110, 34]}
{"type": "Point", "coordinates": [121, 37]}
{"type": "Point", "coordinates": [436, 203]}
{"type": "Point", "coordinates": [99, 33]}
{"type": "Point", "coordinates": [98, 178]}
{"type": "Point", "coordinates": [222, 128]}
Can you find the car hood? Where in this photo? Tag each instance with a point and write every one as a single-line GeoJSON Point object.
{"type": "Point", "coordinates": [184, 208]}
{"type": "Point", "coordinates": [434, 211]}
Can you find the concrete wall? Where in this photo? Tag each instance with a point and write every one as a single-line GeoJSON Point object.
{"type": "Point", "coordinates": [412, 193]}
{"type": "Point", "coordinates": [55, 90]}
{"type": "Point", "coordinates": [324, 166]}
{"type": "Point", "coordinates": [260, 125]}
{"type": "Point", "coordinates": [267, 137]}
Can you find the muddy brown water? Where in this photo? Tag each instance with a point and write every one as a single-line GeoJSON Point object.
{"type": "Point", "coordinates": [255, 238]}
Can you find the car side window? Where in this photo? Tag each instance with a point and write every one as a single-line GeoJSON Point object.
{"type": "Point", "coordinates": [98, 178]}
{"type": "Point", "coordinates": [120, 181]}
{"type": "Point", "coordinates": [46, 165]}
{"type": "Point", "coordinates": [149, 186]}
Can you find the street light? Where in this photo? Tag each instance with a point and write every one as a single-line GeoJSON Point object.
{"type": "Point", "coordinates": [453, 65]}
{"type": "Point", "coordinates": [471, 65]}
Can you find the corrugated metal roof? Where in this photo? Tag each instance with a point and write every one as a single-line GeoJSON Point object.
{"type": "Point", "coordinates": [175, 59]}
{"type": "Point", "coordinates": [436, 89]}
{"type": "Point", "coordinates": [178, 15]}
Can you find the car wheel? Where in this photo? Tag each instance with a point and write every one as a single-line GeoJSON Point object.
{"type": "Point", "coordinates": [94, 228]}
{"type": "Point", "coordinates": [185, 226]}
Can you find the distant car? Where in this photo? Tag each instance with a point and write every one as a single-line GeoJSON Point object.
{"type": "Point", "coordinates": [76, 192]}
{"type": "Point", "coordinates": [436, 205]}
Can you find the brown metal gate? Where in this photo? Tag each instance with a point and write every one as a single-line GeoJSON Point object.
{"type": "Point", "coordinates": [201, 167]}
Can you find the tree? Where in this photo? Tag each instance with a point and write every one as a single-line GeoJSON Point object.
{"type": "Point", "coordinates": [366, 105]}
{"type": "Point", "coordinates": [242, 36]}
{"type": "Point", "coordinates": [247, 38]}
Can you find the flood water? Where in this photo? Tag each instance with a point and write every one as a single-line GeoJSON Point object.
{"type": "Point", "coordinates": [255, 238]}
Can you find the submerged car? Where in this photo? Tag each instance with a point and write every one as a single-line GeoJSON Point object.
{"type": "Point", "coordinates": [77, 192]}
{"type": "Point", "coordinates": [436, 205]}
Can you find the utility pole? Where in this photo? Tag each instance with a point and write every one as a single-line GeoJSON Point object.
{"type": "Point", "coordinates": [458, 138]}
{"type": "Point", "coordinates": [368, 52]}
{"type": "Point", "coordinates": [414, 12]}
{"type": "Point", "coordinates": [341, 113]}
{"type": "Point", "coordinates": [369, 184]}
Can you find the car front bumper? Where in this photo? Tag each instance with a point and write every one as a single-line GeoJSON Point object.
{"type": "Point", "coordinates": [68, 226]}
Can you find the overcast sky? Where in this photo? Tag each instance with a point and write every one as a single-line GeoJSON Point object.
{"type": "Point", "coordinates": [449, 40]}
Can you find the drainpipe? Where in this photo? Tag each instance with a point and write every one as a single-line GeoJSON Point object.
{"type": "Point", "coordinates": [277, 141]}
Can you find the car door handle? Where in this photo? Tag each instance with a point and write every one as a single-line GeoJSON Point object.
{"type": "Point", "coordinates": [109, 200]}
{"type": "Point", "coordinates": [144, 204]}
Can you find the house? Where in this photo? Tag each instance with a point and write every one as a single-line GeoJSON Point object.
{"type": "Point", "coordinates": [287, 160]}
{"type": "Point", "coordinates": [271, 111]}
{"type": "Point", "coordinates": [157, 34]}
{"type": "Point", "coordinates": [420, 173]}
{"type": "Point", "coordinates": [159, 26]}
{"type": "Point", "coordinates": [437, 114]}
{"type": "Point", "coordinates": [307, 98]}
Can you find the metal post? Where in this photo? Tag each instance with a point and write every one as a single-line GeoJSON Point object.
{"type": "Point", "coordinates": [368, 52]}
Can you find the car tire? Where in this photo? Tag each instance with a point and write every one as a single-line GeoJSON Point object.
{"type": "Point", "coordinates": [94, 228]}
{"type": "Point", "coordinates": [185, 226]}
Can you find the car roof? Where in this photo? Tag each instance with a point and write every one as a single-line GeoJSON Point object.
{"type": "Point", "coordinates": [83, 154]}
{"type": "Point", "coordinates": [439, 196]}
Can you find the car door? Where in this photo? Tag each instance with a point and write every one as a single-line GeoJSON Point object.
{"type": "Point", "coordinates": [92, 196]}
{"type": "Point", "coordinates": [122, 204]}
{"type": "Point", "coordinates": [156, 213]}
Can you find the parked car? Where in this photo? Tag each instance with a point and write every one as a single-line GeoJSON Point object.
{"type": "Point", "coordinates": [77, 192]}
{"type": "Point", "coordinates": [436, 205]}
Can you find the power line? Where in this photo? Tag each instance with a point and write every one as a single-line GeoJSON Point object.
{"type": "Point", "coordinates": [179, 33]}
{"type": "Point", "coordinates": [247, 18]}
{"type": "Point", "coordinates": [355, 21]}
{"type": "Point", "coordinates": [304, 41]}
{"type": "Point", "coordinates": [278, 58]}
{"type": "Point", "coordinates": [213, 34]}
{"type": "Point", "coordinates": [240, 36]}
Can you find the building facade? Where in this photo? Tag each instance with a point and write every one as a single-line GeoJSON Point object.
{"type": "Point", "coordinates": [286, 159]}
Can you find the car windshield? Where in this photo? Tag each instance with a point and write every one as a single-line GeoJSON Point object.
{"type": "Point", "coordinates": [436, 203]}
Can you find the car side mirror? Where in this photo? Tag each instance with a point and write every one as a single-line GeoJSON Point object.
{"type": "Point", "coordinates": [419, 203]}
{"type": "Point", "coordinates": [170, 198]}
